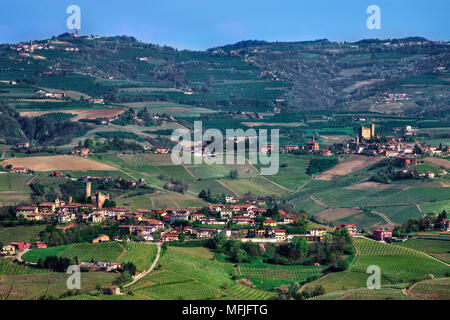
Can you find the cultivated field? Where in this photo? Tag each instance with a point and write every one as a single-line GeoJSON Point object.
{"type": "Point", "coordinates": [398, 265]}
{"type": "Point", "coordinates": [20, 233]}
{"type": "Point", "coordinates": [349, 165]}
{"type": "Point", "coordinates": [141, 254]}
{"type": "Point", "coordinates": [439, 162]}
{"type": "Point", "coordinates": [60, 162]}
{"type": "Point", "coordinates": [333, 214]}
{"type": "Point", "coordinates": [80, 113]}
{"type": "Point", "coordinates": [189, 273]}
{"type": "Point", "coordinates": [431, 289]}
{"type": "Point", "coordinates": [14, 188]}
{"type": "Point", "coordinates": [437, 248]}
{"type": "Point", "coordinates": [267, 277]}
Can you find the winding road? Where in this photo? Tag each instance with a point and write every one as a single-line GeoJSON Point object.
{"type": "Point", "coordinates": [143, 274]}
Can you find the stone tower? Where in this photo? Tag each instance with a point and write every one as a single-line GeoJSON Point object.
{"type": "Point", "coordinates": [372, 130]}
{"type": "Point", "coordinates": [88, 190]}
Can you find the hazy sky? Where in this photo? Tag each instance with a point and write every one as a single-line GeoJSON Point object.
{"type": "Point", "coordinates": [201, 24]}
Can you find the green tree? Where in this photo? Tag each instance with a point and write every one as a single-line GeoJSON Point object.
{"type": "Point", "coordinates": [240, 255]}
{"type": "Point", "coordinates": [301, 245]}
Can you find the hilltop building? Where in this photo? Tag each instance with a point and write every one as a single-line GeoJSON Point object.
{"type": "Point", "coordinates": [366, 133]}
{"type": "Point", "coordinates": [313, 145]}
{"type": "Point", "coordinates": [98, 199]}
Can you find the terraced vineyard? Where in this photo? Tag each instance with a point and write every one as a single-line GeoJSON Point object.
{"type": "Point", "coordinates": [437, 248]}
{"type": "Point", "coordinates": [241, 292]}
{"type": "Point", "coordinates": [14, 182]}
{"type": "Point", "coordinates": [397, 264]}
{"type": "Point", "coordinates": [8, 268]}
{"type": "Point", "coordinates": [141, 254]}
{"type": "Point", "coordinates": [266, 276]}
{"type": "Point", "coordinates": [432, 288]}
{"type": "Point", "coordinates": [20, 233]}
{"type": "Point", "coordinates": [366, 294]}
{"type": "Point", "coordinates": [14, 189]}
{"type": "Point", "coordinates": [194, 276]}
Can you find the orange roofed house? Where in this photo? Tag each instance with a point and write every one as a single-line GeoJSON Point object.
{"type": "Point", "coordinates": [101, 238]}
{"type": "Point", "coordinates": [350, 227]}
{"type": "Point", "coordinates": [162, 150]}
{"type": "Point", "coordinates": [84, 152]}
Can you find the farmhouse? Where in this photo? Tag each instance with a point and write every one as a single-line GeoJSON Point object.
{"type": "Point", "coordinates": [162, 150]}
{"type": "Point", "coordinates": [289, 147]}
{"type": "Point", "coordinates": [269, 223]}
{"type": "Point", "coordinates": [172, 236]}
{"type": "Point", "coordinates": [230, 199]}
{"type": "Point", "coordinates": [111, 290]}
{"type": "Point", "coordinates": [350, 227]}
{"type": "Point", "coordinates": [40, 244]}
{"type": "Point", "coordinates": [84, 152]}
{"type": "Point", "coordinates": [23, 145]}
{"type": "Point", "coordinates": [20, 170]}
{"type": "Point", "coordinates": [381, 235]}
{"type": "Point", "coordinates": [101, 238]}
{"type": "Point", "coordinates": [58, 174]}
{"type": "Point", "coordinates": [445, 225]}
{"type": "Point", "coordinates": [8, 250]}
{"type": "Point", "coordinates": [243, 221]}
{"type": "Point", "coordinates": [20, 245]}
{"type": "Point", "coordinates": [279, 234]}
{"type": "Point", "coordinates": [46, 208]}
{"type": "Point", "coordinates": [25, 211]}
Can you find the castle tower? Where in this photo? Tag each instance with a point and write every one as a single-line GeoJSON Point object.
{"type": "Point", "coordinates": [88, 189]}
{"type": "Point", "coordinates": [357, 139]}
{"type": "Point", "coordinates": [372, 130]}
{"type": "Point", "coordinates": [70, 199]}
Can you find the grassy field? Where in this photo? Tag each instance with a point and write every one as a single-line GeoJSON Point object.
{"type": "Point", "coordinates": [437, 206]}
{"type": "Point", "coordinates": [257, 186]}
{"type": "Point", "coordinates": [292, 171]}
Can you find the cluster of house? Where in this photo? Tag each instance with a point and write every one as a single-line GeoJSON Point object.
{"type": "Point", "coordinates": [100, 266]}
{"type": "Point", "coordinates": [51, 94]}
{"type": "Point", "coordinates": [311, 147]}
{"type": "Point", "coordinates": [83, 152]}
{"type": "Point", "coordinates": [15, 247]}
{"type": "Point", "coordinates": [395, 147]}
{"type": "Point", "coordinates": [235, 220]}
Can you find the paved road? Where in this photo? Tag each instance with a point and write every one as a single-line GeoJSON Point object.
{"type": "Point", "coordinates": [143, 274]}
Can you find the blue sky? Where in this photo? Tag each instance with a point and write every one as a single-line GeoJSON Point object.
{"type": "Point", "coordinates": [201, 24]}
